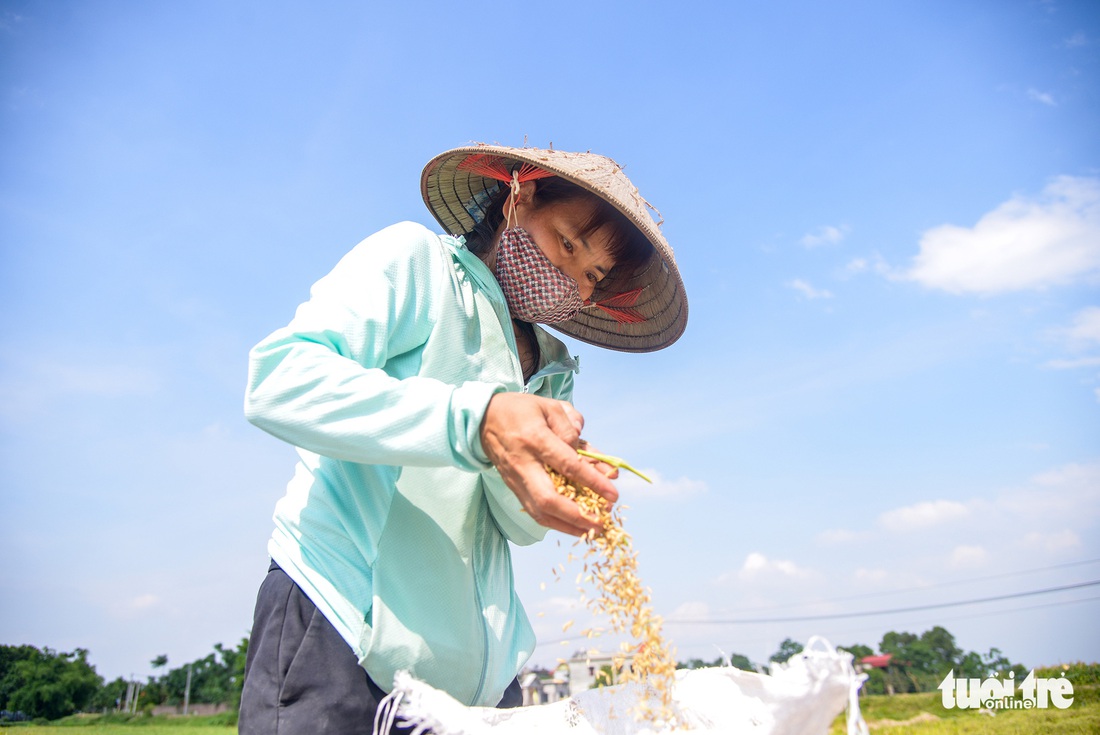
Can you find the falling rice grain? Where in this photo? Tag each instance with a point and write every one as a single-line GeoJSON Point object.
{"type": "Point", "coordinates": [626, 602]}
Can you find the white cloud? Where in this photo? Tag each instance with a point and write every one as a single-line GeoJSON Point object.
{"type": "Point", "coordinates": [808, 291]}
{"type": "Point", "coordinates": [873, 576]}
{"type": "Point", "coordinates": [95, 380]}
{"type": "Point", "coordinates": [1085, 330]}
{"type": "Point", "coordinates": [923, 515]}
{"type": "Point", "coordinates": [31, 384]}
{"type": "Point", "coordinates": [1071, 475]}
{"type": "Point", "coordinates": [9, 20]}
{"type": "Point", "coordinates": [757, 565]}
{"type": "Point", "coordinates": [562, 605]}
{"type": "Point", "coordinates": [143, 602]}
{"type": "Point", "coordinates": [631, 486]}
{"type": "Point", "coordinates": [1053, 542]}
{"type": "Point", "coordinates": [1025, 243]}
{"type": "Point", "coordinates": [132, 607]}
{"type": "Point", "coordinates": [1082, 334]}
{"type": "Point", "coordinates": [1076, 40]}
{"type": "Point", "coordinates": [838, 536]}
{"type": "Point", "coordinates": [1081, 362]}
{"type": "Point", "coordinates": [691, 610]}
{"type": "Point", "coordinates": [824, 235]}
{"type": "Point", "coordinates": [1069, 493]}
{"type": "Point", "coordinates": [860, 265]}
{"type": "Point", "coordinates": [1043, 97]}
{"type": "Point", "coordinates": [968, 557]}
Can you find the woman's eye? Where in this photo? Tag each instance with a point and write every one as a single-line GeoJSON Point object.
{"type": "Point", "coordinates": [568, 245]}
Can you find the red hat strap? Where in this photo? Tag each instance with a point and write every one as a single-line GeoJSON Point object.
{"type": "Point", "coordinates": [620, 306]}
{"type": "Point", "coordinates": [492, 167]}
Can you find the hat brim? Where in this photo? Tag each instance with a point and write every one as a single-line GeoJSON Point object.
{"type": "Point", "coordinates": [458, 197]}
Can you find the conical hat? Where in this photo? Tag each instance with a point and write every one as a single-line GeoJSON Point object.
{"type": "Point", "coordinates": [458, 197]}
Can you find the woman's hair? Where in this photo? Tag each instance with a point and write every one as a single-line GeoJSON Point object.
{"type": "Point", "coordinates": [627, 246]}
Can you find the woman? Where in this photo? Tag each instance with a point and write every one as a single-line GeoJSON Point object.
{"type": "Point", "coordinates": [426, 403]}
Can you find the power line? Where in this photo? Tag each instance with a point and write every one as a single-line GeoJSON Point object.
{"type": "Point", "coordinates": [867, 613]}
{"type": "Point", "coordinates": [555, 641]}
{"type": "Point", "coordinates": [1009, 611]}
{"type": "Point", "coordinates": [833, 633]}
{"type": "Point", "coordinates": [565, 640]}
{"type": "Point", "coordinates": [923, 588]}
{"type": "Point", "coordinates": [688, 645]}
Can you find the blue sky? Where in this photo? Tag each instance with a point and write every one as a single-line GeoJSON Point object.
{"type": "Point", "coordinates": [887, 216]}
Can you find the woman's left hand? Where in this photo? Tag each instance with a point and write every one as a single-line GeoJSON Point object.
{"type": "Point", "coordinates": [522, 434]}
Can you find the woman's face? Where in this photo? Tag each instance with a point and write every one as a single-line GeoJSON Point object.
{"type": "Point", "coordinates": [556, 229]}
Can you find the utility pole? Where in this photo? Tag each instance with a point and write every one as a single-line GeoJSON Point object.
{"type": "Point", "coordinates": [187, 691]}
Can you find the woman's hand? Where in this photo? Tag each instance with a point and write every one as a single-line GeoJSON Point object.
{"type": "Point", "coordinates": [522, 434]}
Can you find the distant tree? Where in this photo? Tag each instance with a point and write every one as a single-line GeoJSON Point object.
{"type": "Point", "coordinates": [970, 666]}
{"type": "Point", "coordinates": [110, 695]}
{"type": "Point", "coordinates": [236, 672]}
{"type": "Point", "coordinates": [45, 683]}
{"type": "Point", "coordinates": [737, 660]}
{"type": "Point", "coordinates": [901, 675]}
{"type": "Point", "coordinates": [691, 663]}
{"type": "Point", "coordinates": [876, 682]}
{"type": "Point", "coordinates": [787, 649]}
{"type": "Point", "coordinates": [698, 663]}
{"type": "Point", "coordinates": [207, 681]}
{"type": "Point", "coordinates": [154, 692]}
{"type": "Point", "coordinates": [996, 664]}
{"type": "Point", "coordinates": [9, 656]}
{"type": "Point", "coordinates": [215, 679]}
{"type": "Point", "coordinates": [921, 662]}
{"type": "Point", "coordinates": [897, 643]}
{"type": "Point", "coordinates": [741, 661]}
{"type": "Point", "coordinates": [876, 678]}
{"type": "Point", "coordinates": [945, 654]}
{"type": "Point", "coordinates": [858, 651]}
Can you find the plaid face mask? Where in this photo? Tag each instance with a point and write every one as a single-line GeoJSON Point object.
{"type": "Point", "coordinates": [536, 291]}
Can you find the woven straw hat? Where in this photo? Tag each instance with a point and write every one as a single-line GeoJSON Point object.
{"type": "Point", "coordinates": [458, 195]}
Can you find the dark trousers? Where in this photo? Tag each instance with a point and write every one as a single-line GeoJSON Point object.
{"type": "Point", "coordinates": [301, 677]}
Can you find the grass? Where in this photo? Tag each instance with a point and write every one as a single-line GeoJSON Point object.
{"type": "Point", "coordinates": [903, 714]}
{"type": "Point", "coordinates": [924, 714]}
{"type": "Point", "coordinates": [127, 725]}
{"type": "Point", "coordinates": [157, 727]}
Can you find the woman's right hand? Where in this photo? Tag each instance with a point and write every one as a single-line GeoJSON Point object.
{"type": "Point", "coordinates": [522, 434]}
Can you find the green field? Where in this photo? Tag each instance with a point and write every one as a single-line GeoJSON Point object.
{"type": "Point", "coordinates": [924, 714]}
{"type": "Point", "coordinates": [123, 725]}
{"type": "Point", "coordinates": [903, 714]}
{"type": "Point", "coordinates": [157, 726]}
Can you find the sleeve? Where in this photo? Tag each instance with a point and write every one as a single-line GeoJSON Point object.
{"type": "Point", "coordinates": [340, 380]}
{"type": "Point", "coordinates": [515, 523]}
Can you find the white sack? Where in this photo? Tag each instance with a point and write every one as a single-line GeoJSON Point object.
{"type": "Point", "coordinates": [801, 698]}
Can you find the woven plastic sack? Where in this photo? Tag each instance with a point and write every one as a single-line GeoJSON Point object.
{"type": "Point", "coordinates": [801, 698]}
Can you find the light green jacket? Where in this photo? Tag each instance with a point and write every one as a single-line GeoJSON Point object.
{"type": "Point", "coordinates": [395, 524]}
